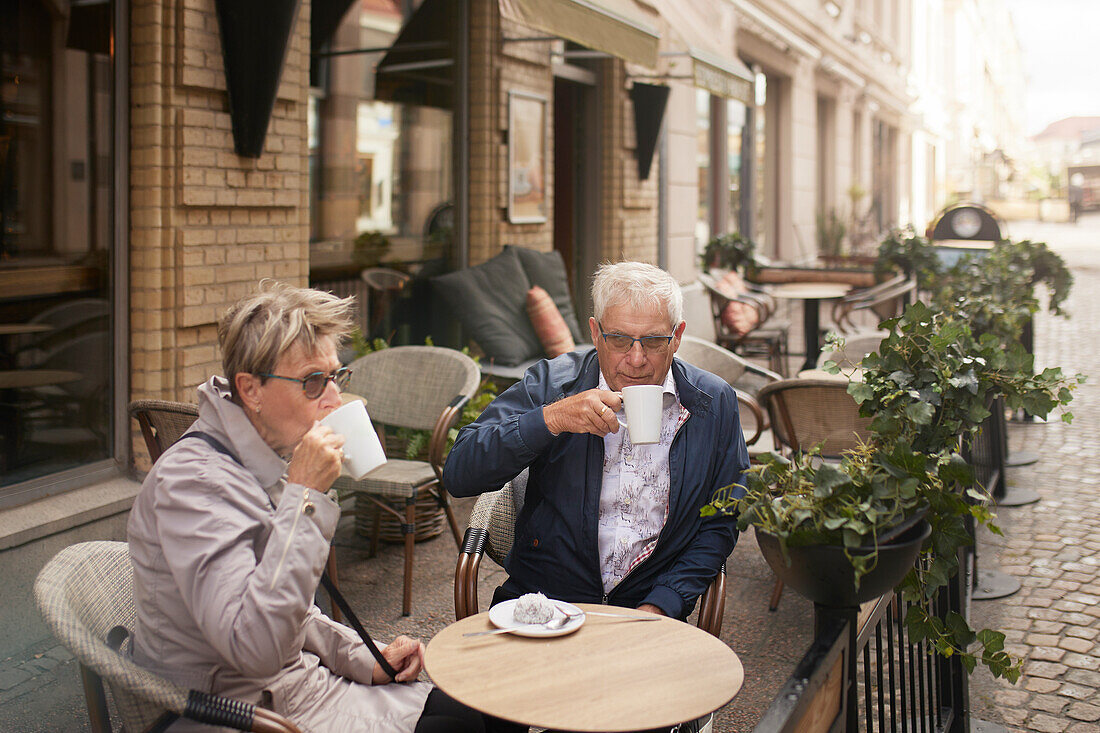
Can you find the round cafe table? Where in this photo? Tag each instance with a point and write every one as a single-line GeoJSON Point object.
{"type": "Point", "coordinates": [811, 294]}
{"type": "Point", "coordinates": [608, 675]}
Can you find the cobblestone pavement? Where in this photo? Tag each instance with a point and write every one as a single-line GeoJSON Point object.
{"type": "Point", "coordinates": [1052, 546]}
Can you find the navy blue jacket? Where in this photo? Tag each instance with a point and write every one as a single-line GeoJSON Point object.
{"type": "Point", "coordinates": [556, 548]}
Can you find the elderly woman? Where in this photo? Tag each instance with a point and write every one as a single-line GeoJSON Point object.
{"type": "Point", "coordinates": [230, 532]}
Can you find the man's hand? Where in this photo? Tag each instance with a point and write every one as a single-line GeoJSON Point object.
{"type": "Point", "coordinates": [652, 609]}
{"type": "Point", "coordinates": [592, 411]}
{"type": "Point", "coordinates": [317, 458]}
{"type": "Point", "coordinates": [406, 656]}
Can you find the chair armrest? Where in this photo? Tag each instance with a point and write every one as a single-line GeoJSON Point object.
{"type": "Point", "coordinates": [469, 562]}
{"type": "Point", "coordinates": [443, 424]}
{"type": "Point", "coordinates": [224, 711]}
{"type": "Point", "coordinates": [758, 415]}
{"type": "Point", "coordinates": [712, 604]}
{"type": "Point", "coordinates": [762, 371]}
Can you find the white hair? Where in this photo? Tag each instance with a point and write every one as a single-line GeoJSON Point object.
{"type": "Point", "coordinates": [639, 285]}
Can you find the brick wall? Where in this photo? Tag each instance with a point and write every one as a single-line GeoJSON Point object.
{"type": "Point", "coordinates": [206, 225]}
{"type": "Point", "coordinates": [628, 206]}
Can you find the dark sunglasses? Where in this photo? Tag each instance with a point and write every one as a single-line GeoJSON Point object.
{"type": "Point", "coordinates": [314, 384]}
{"type": "Point", "coordinates": [621, 343]}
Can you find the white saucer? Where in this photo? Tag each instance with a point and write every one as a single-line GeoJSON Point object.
{"type": "Point", "coordinates": [501, 617]}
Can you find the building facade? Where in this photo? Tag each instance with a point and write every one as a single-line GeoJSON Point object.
{"type": "Point", "coordinates": [412, 136]}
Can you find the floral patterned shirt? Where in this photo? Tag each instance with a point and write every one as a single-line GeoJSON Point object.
{"type": "Point", "coordinates": [634, 493]}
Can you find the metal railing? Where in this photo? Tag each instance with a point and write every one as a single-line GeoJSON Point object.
{"type": "Point", "coordinates": [862, 672]}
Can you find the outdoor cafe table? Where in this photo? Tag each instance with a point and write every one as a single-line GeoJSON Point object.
{"type": "Point", "coordinates": [608, 675]}
{"type": "Point", "coordinates": [811, 294]}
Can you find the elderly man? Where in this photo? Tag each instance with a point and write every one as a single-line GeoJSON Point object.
{"type": "Point", "coordinates": [605, 520]}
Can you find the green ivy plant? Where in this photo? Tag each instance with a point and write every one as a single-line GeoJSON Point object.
{"type": "Point", "coordinates": [914, 255]}
{"type": "Point", "coordinates": [928, 387]}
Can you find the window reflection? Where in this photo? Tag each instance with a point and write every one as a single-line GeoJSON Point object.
{"type": "Point", "coordinates": [55, 233]}
{"type": "Point", "coordinates": [382, 170]}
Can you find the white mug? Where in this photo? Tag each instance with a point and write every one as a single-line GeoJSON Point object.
{"type": "Point", "coordinates": [643, 404]}
{"type": "Point", "coordinates": [362, 451]}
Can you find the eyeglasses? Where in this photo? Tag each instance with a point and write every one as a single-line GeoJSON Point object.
{"type": "Point", "coordinates": [620, 342]}
{"type": "Point", "coordinates": [314, 384]}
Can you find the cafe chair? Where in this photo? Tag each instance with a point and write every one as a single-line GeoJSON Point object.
{"type": "Point", "coordinates": [856, 346]}
{"type": "Point", "coordinates": [805, 413]}
{"type": "Point", "coordinates": [412, 388]}
{"type": "Point", "coordinates": [491, 532]}
{"type": "Point", "coordinates": [808, 413]}
{"type": "Point", "coordinates": [384, 285]}
{"type": "Point", "coordinates": [757, 332]}
{"type": "Point", "coordinates": [746, 379]}
{"type": "Point", "coordinates": [884, 300]}
{"type": "Point", "coordinates": [163, 422]}
{"type": "Point", "coordinates": [85, 594]}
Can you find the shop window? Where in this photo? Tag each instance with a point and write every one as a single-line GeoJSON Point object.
{"type": "Point", "coordinates": [381, 153]}
{"type": "Point", "coordinates": [56, 242]}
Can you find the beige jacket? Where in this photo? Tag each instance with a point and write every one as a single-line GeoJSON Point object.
{"type": "Point", "coordinates": [224, 585]}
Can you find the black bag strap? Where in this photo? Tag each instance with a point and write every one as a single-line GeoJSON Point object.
{"type": "Point", "coordinates": [330, 587]}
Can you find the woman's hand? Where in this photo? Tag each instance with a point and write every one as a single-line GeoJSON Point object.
{"type": "Point", "coordinates": [406, 656]}
{"type": "Point", "coordinates": [317, 458]}
{"type": "Point", "coordinates": [591, 411]}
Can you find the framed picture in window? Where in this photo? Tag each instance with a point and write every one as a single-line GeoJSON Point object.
{"type": "Point", "coordinates": [527, 122]}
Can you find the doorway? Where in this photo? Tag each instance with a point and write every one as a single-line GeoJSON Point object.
{"type": "Point", "coordinates": [576, 185]}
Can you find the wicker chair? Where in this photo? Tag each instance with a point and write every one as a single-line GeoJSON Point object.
{"type": "Point", "coordinates": [768, 339]}
{"type": "Point", "coordinates": [856, 346]}
{"type": "Point", "coordinates": [85, 595]}
{"type": "Point", "coordinates": [491, 531]}
{"type": "Point", "coordinates": [746, 379]}
{"type": "Point", "coordinates": [163, 423]}
{"type": "Point", "coordinates": [884, 300]}
{"type": "Point", "coordinates": [806, 413]}
{"type": "Point", "coordinates": [417, 388]}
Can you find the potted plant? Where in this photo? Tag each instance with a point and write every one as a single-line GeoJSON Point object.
{"type": "Point", "coordinates": [730, 252]}
{"type": "Point", "coordinates": [927, 389]}
{"type": "Point", "coordinates": [831, 231]}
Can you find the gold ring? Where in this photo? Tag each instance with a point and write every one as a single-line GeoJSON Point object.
{"type": "Point", "coordinates": [603, 410]}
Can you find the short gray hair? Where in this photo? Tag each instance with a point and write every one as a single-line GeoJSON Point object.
{"type": "Point", "coordinates": [259, 328]}
{"type": "Point", "coordinates": [639, 285]}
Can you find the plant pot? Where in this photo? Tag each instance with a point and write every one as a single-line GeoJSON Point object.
{"type": "Point", "coordinates": [824, 575]}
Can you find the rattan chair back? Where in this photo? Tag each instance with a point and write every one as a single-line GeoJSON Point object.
{"type": "Point", "coordinates": [855, 347]}
{"type": "Point", "coordinates": [805, 413]}
{"type": "Point", "coordinates": [83, 593]}
{"type": "Point", "coordinates": [162, 422]}
{"type": "Point", "coordinates": [411, 386]}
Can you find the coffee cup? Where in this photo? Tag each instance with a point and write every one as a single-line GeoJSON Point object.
{"type": "Point", "coordinates": [362, 450]}
{"type": "Point", "coordinates": [643, 405]}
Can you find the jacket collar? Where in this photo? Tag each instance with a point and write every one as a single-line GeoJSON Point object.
{"type": "Point", "coordinates": [226, 421]}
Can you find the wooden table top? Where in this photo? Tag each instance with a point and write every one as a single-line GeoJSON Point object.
{"type": "Point", "coordinates": [609, 675]}
{"type": "Point", "coordinates": [26, 378]}
{"type": "Point", "coordinates": [13, 329]}
{"type": "Point", "coordinates": [809, 290]}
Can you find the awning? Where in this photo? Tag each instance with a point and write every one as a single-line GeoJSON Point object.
{"type": "Point", "coordinates": [615, 27]}
{"type": "Point", "coordinates": [713, 67]}
{"type": "Point", "coordinates": [419, 66]}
